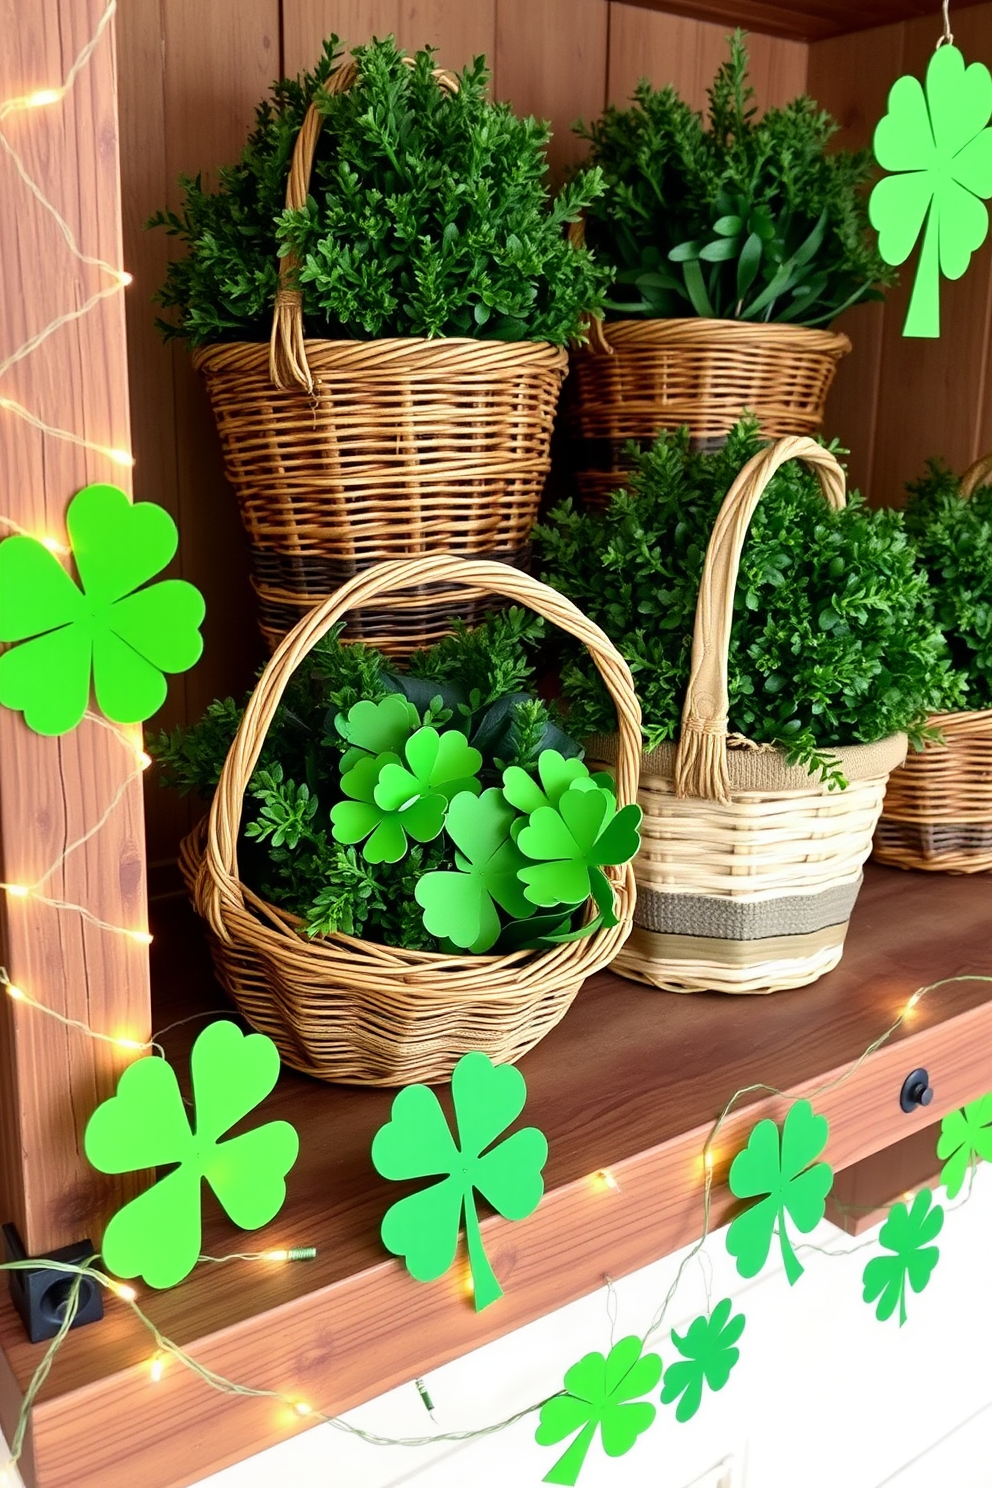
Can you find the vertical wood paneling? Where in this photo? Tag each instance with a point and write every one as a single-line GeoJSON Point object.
{"type": "Point", "coordinates": [459, 32]}
{"type": "Point", "coordinates": [53, 791]}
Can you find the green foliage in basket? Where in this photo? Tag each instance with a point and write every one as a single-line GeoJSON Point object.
{"type": "Point", "coordinates": [428, 215]}
{"type": "Point", "coordinates": [390, 805]}
{"type": "Point", "coordinates": [954, 541]}
{"type": "Point", "coordinates": [746, 219]}
{"type": "Point", "coordinates": [833, 639]}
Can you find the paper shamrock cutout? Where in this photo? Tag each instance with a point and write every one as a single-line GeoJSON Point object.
{"type": "Point", "coordinates": [940, 143]}
{"type": "Point", "coordinates": [416, 1142]}
{"type": "Point", "coordinates": [461, 906]}
{"type": "Point", "coordinates": [965, 1137]}
{"type": "Point", "coordinates": [571, 843]}
{"type": "Point", "coordinates": [124, 635]}
{"type": "Point", "coordinates": [708, 1355]}
{"type": "Point", "coordinates": [391, 800]}
{"type": "Point", "coordinates": [157, 1235]}
{"type": "Point", "coordinates": [907, 1233]}
{"type": "Point", "coordinates": [376, 728]}
{"type": "Point", "coordinates": [604, 1394]}
{"type": "Point", "coordinates": [790, 1184]}
{"type": "Point", "coordinates": [556, 774]}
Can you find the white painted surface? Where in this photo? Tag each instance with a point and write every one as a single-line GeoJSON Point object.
{"type": "Point", "coordinates": [824, 1395]}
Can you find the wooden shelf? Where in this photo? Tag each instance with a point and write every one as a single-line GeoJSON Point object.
{"type": "Point", "coordinates": [810, 20]}
{"type": "Point", "coordinates": [631, 1080]}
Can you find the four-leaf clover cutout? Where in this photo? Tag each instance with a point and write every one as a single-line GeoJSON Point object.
{"type": "Point", "coordinates": [907, 1233]}
{"type": "Point", "coordinates": [709, 1353]}
{"type": "Point", "coordinates": [790, 1185]}
{"type": "Point", "coordinates": [122, 634]}
{"type": "Point", "coordinates": [604, 1394]}
{"type": "Point", "coordinates": [965, 1136]}
{"type": "Point", "coordinates": [940, 143]}
{"type": "Point", "coordinates": [391, 800]}
{"type": "Point", "coordinates": [417, 1143]}
{"type": "Point", "coordinates": [157, 1235]}
{"type": "Point", "coordinates": [461, 906]}
{"type": "Point", "coordinates": [572, 842]}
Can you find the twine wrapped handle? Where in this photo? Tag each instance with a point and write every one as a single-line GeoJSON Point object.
{"type": "Point", "coordinates": [219, 878]}
{"type": "Point", "coordinates": [979, 474]}
{"type": "Point", "coordinates": [701, 758]}
{"type": "Point", "coordinates": [288, 366]}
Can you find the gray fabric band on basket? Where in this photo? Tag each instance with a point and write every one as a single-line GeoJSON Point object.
{"type": "Point", "coordinates": [718, 918]}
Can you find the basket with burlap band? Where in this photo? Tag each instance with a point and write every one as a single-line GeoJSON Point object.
{"type": "Point", "coordinates": [355, 1011]}
{"type": "Point", "coordinates": [749, 867]}
{"type": "Point", "coordinates": [346, 453]}
{"type": "Point", "coordinates": [937, 814]}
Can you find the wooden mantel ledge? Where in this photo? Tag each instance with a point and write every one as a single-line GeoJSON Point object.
{"type": "Point", "coordinates": [631, 1081]}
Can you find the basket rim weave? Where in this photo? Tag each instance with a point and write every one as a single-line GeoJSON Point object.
{"type": "Point", "coordinates": [699, 330]}
{"type": "Point", "coordinates": [434, 353]}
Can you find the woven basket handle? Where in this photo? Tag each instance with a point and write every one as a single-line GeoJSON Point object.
{"type": "Point", "coordinates": [979, 474]}
{"type": "Point", "coordinates": [701, 759]}
{"type": "Point", "coordinates": [475, 576]}
{"type": "Point", "coordinates": [288, 366]}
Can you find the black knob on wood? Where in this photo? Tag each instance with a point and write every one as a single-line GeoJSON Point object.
{"type": "Point", "coordinates": [916, 1090]}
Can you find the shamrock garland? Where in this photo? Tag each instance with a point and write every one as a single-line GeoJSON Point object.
{"type": "Point", "coordinates": [782, 1171]}
{"type": "Point", "coordinates": [965, 1137]}
{"type": "Point", "coordinates": [940, 144]}
{"type": "Point", "coordinates": [117, 628]}
{"type": "Point", "coordinates": [907, 1233]}
{"type": "Point", "coordinates": [709, 1353]}
{"type": "Point", "coordinates": [601, 1393]}
{"type": "Point", "coordinates": [157, 1235]}
{"type": "Point", "coordinates": [416, 1142]}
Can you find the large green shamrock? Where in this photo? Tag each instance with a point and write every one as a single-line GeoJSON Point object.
{"type": "Point", "coordinates": [601, 1393]}
{"type": "Point", "coordinates": [556, 774]}
{"type": "Point", "coordinates": [790, 1185]}
{"type": "Point", "coordinates": [157, 1235]}
{"type": "Point", "coordinates": [941, 144]}
{"type": "Point", "coordinates": [965, 1136]}
{"type": "Point", "coordinates": [416, 1143]}
{"type": "Point", "coordinates": [124, 635]}
{"type": "Point", "coordinates": [461, 906]}
{"type": "Point", "coordinates": [376, 728]}
{"type": "Point", "coordinates": [906, 1232]}
{"type": "Point", "coordinates": [708, 1355]}
{"type": "Point", "coordinates": [391, 800]}
{"type": "Point", "coordinates": [572, 842]}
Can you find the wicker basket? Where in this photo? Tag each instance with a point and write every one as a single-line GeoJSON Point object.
{"type": "Point", "coordinates": [938, 808]}
{"type": "Point", "coordinates": [748, 868]}
{"type": "Point", "coordinates": [640, 376]}
{"type": "Point", "coordinates": [346, 453]}
{"type": "Point", "coordinates": [355, 1011]}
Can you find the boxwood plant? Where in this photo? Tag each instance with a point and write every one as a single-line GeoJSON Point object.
{"type": "Point", "coordinates": [954, 541]}
{"type": "Point", "coordinates": [833, 640]}
{"type": "Point", "coordinates": [735, 217]}
{"type": "Point", "coordinates": [432, 814]}
{"type": "Point", "coordinates": [429, 215]}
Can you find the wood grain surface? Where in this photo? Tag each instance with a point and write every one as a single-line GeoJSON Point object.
{"type": "Point", "coordinates": [632, 1079]}
{"type": "Point", "coordinates": [863, 1193]}
{"type": "Point", "coordinates": [54, 790]}
{"type": "Point", "coordinates": [812, 20]}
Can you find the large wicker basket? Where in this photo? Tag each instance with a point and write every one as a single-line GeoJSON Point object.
{"type": "Point", "coordinates": [355, 1011]}
{"type": "Point", "coordinates": [748, 868]}
{"type": "Point", "coordinates": [346, 453]}
{"type": "Point", "coordinates": [937, 814]}
{"type": "Point", "coordinates": [639, 376]}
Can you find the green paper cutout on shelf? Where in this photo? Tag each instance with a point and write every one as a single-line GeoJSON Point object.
{"type": "Point", "coordinates": [376, 728]}
{"type": "Point", "coordinates": [461, 906]}
{"type": "Point", "coordinates": [112, 629]}
{"type": "Point", "coordinates": [708, 1355]}
{"type": "Point", "coordinates": [783, 1173]}
{"type": "Point", "coordinates": [940, 143]}
{"type": "Point", "coordinates": [556, 774]}
{"type": "Point", "coordinates": [416, 1142]}
{"type": "Point", "coordinates": [391, 801]}
{"type": "Point", "coordinates": [600, 1393]}
{"type": "Point", "coordinates": [157, 1235]}
{"type": "Point", "coordinates": [965, 1138]}
{"type": "Point", "coordinates": [907, 1233]}
{"type": "Point", "coordinates": [572, 843]}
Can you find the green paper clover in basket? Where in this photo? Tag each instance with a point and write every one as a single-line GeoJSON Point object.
{"type": "Point", "coordinates": [157, 1235]}
{"type": "Point", "coordinates": [376, 728]}
{"type": "Point", "coordinates": [907, 1233]}
{"type": "Point", "coordinates": [571, 843]}
{"type": "Point", "coordinates": [556, 775]}
{"type": "Point", "coordinates": [600, 1393]}
{"type": "Point", "coordinates": [786, 1173]}
{"type": "Point", "coordinates": [709, 1353]}
{"type": "Point", "coordinates": [393, 798]}
{"type": "Point", "coordinates": [417, 1143]}
{"type": "Point", "coordinates": [461, 906]}
{"type": "Point", "coordinates": [118, 629]}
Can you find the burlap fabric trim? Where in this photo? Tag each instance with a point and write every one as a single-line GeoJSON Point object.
{"type": "Point", "coordinates": [761, 768]}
